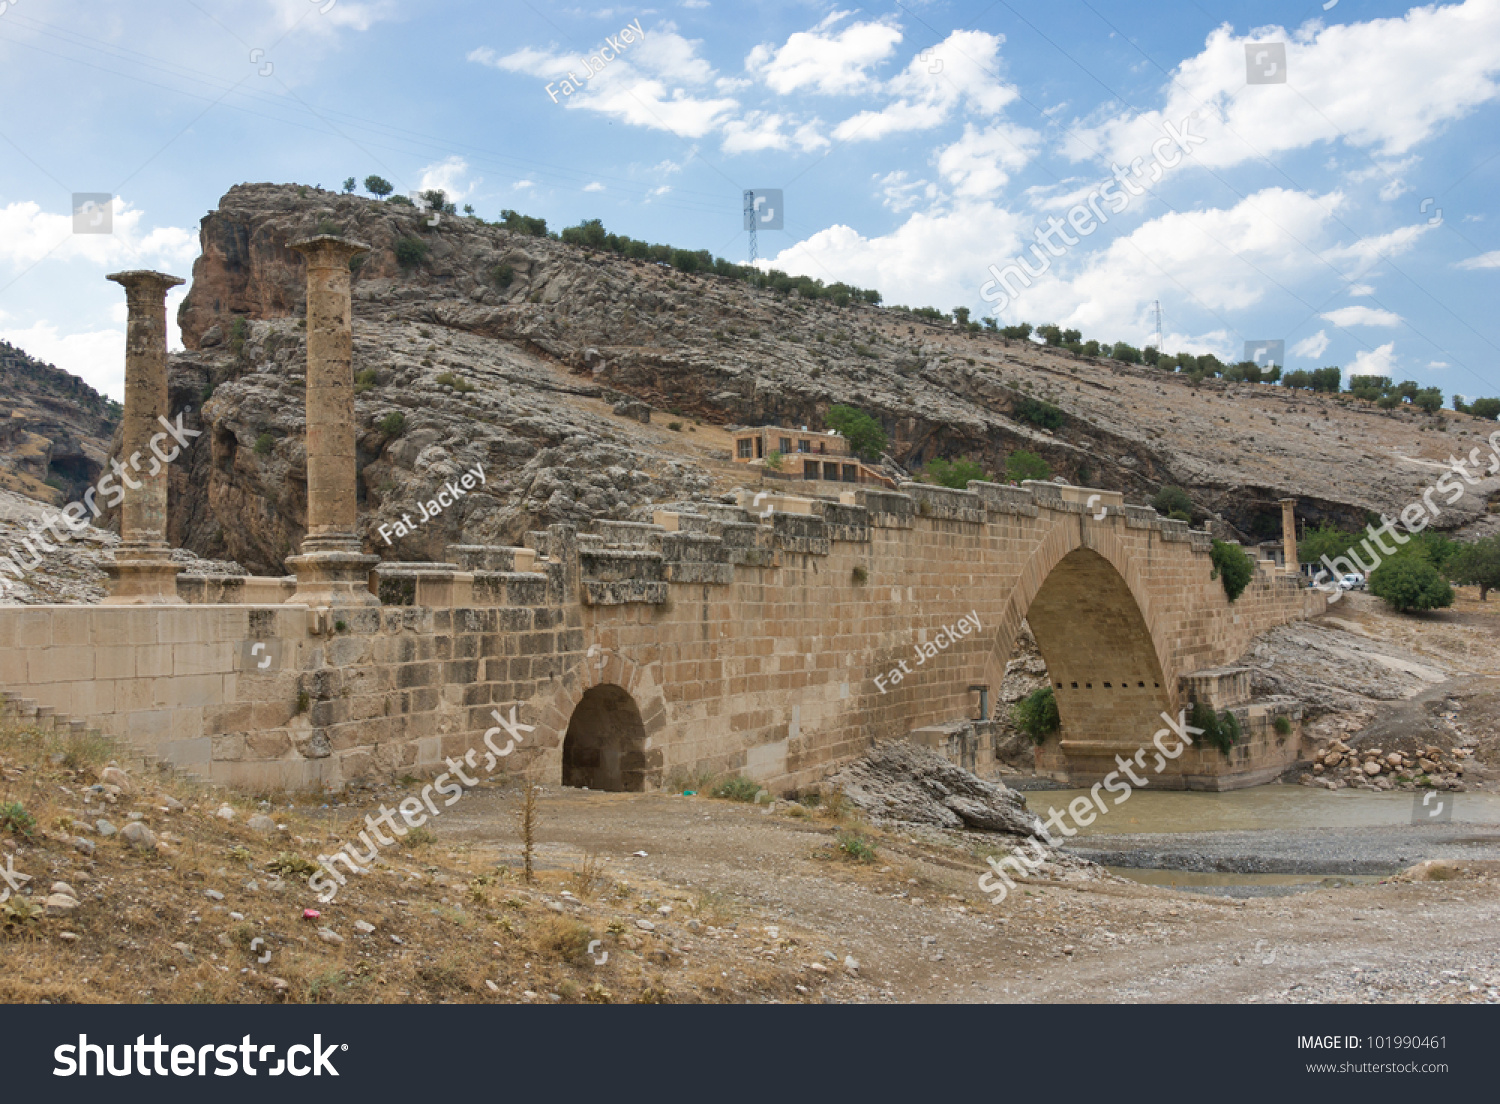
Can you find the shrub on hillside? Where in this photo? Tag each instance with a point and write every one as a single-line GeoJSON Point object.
{"type": "Point", "coordinates": [1233, 567]}
{"type": "Point", "coordinates": [1410, 583]}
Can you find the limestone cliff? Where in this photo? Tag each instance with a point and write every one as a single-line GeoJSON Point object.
{"type": "Point", "coordinates": [54, 429]}
{"type": "Point", "coordinates": [477, 345]}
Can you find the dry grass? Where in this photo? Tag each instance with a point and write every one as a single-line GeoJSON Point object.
{"type": "Point", "coordinates": [449, 924]}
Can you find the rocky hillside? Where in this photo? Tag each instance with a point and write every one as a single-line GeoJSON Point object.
{"type": "Point", "coordinates": [55, 429]}
{"type": "Point", "coordinates": [478, 345]}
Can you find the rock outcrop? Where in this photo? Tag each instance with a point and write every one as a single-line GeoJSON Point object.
{"type": "Point", "coordinates": [905, 782]}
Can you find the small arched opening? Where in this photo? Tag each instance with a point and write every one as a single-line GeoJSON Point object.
{"type": "Point", "coordinates": [605, 745]}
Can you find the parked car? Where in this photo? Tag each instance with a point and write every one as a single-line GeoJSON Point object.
{"type": "Point", "coordinates": [1352, 581]}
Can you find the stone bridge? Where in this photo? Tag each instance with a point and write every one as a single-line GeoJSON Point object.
{"type": "Point", "coordinates": [774, 637]}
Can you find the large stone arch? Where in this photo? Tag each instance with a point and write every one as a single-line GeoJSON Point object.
{"type": "Point", "coordinates": [1085, 599]}
{"type": "Point", "coordinates": [610, 702]}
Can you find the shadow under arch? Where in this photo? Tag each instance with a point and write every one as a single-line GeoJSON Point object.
{"type": "Point", "coordinates": [604, 747]}
{"type": "Point", "coordinates": [1103, 661]}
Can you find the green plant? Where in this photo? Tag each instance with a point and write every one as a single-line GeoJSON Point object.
{"type": "Point", "coordinates": [1476, 564]}
{"type": "Point", "coordinates": [304, 701]}
{"type": "Point", "coordinates": [17, 913]}
{"type": "Point", "coordinates": [1170, 499]}
{"type": "Point", "coordinates": [393, 423]}
{"type": "Point", "coordinates": [864, 433]}
{"type": "Point", "coordinates": [378, 186]}
{"type": "Point", "coordinates": [1232, 566]}
{"type": "Point", "coordinates": [502, 275]}
{"type": "Point", "coordinates": [410, 251]}
{"type": "Point", "coordinates": [457, 382]}
{"type": "Point", "coordinates": [859, 575]}
{"type": "Point", "coordinates": [773, 460]}
{"type": "Point", "coordinates": [264, 444]}
{"type": "Point", "coordinates": [737, 788]}
{"type": "Point", "coordinates": [955, 474]}
{"type": "Point", "coordinates": [675, 427]}
{"type": "Point", "coordinates": [1283, 726]}
{"type": "Point", "coordinates": [364, 381]}
{"type": "Point", "coordinates": [1036, 714]}
{"type": "Point", "coordinates": [15, 819]}
{"type": "Point", "coordinates": [1041, 414]}
{"type": "Point", "coordinates": [1409, 582]}
{"type": "Point", "coordinates": [853, 844]}
{"type": "Point", "coordinates": [417, 837]}
{"type": "Point", "coordinates": [239, 330]}
{"type": "Point", "coordinates": [340, 626]}
{"type": "Point", "coordinates": [526, 818]}
{"type": "Point", "coordinates": [1023, 464]}
{"type": "Point", "coordinates": [290, 864]}
{"type": "Point", "coordinates": [1219, 730]}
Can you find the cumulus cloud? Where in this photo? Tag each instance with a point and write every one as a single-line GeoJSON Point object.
{"type": "Point", "coordinates": [1484, 260]}
{"type": "Point", "coordinates": [1361, 316]}
{"type": "Point", "coordinates": [959, 70]}
{"type": "Point", "coordinates": [833, 62]}
{"type": "Point", "coordinates": [760, 130]}
{"type": "Point", "coordinates": [1312, 346]}
{"type": "Point", "coordinates": [449, 176]}
{"type": "Point", "coordinates": [1384, 85]}
{"type": "Point", "coordinates": [1380, 361]}
{"type": "Point", "coordinates": [28, 234]}
{"type": "Point", "coordinates": [981, 162]}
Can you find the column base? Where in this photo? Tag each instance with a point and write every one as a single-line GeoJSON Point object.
{"type": "Point", "coordinates": [143, 577]}
{"type": "Point", "coordinates": [332, 578]}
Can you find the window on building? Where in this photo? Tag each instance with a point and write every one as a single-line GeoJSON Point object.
{"type": "Point", "coordinates": [809, 469]}
{"type": "Point", "coordinates": [760, 447]}
{"type": "Point", "coordinates": [786, 445]}
{"type": "Point", "coordinates": [804, 446]}
{"type": "Point", "coordinates": [830, 471]}
{"type": "Point", "coordinates": [851, 473]}
{"type": "Point", "coordinates": [745, 445]}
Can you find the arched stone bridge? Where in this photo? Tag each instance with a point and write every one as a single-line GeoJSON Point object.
{"type": "Point", "coordinates": [729, 639]}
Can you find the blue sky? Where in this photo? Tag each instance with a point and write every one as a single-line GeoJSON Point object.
{"type": "Point", "coordinates": [1350, 209]}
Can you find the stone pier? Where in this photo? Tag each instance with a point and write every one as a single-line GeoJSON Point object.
{"type": "Point", "coordinates": [1289, 535]}
{"type": "Point", "coordinates": [332, 569]}
{"type": "Point", "coordinates": [143, 572]}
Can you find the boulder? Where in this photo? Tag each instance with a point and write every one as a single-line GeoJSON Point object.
{"type": "Point", "coordinates": [904, 781]}
{"type": "Point", "coordinates": [137, 835]}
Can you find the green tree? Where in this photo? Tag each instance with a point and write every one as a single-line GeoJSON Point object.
{"type": "Point", "coordinates": [1024, 464]}
{"type": "Point", "coordinates": [1326, 540]}
{"type": "Point", "coordinates": [349, 185]}
{"type": "Point", "coordinates": [862, 432]}
{"type": "Point", "coordinates": [378, 186]}
{"type": "Point", "coordinates": [589, 232]}
{"type": "Point", "coordinates": [1476, 564]}
{"type": "Point", "coordinates": [1232, 566]}
{"type": "Point", "coordinates": [1488, 409]}
{"type": "Point", "coordinates": [1430, 399]}
{"type": "Point", "coordinates": [410, 251]}
{"type": "Point", "coordinates": [956, 474]}
{"type": "Point", "coordinates": [1038, 413]}
{"type": "Point", "coordinates": [961, 316]}
{"type": "Point", "coordinates": [1410, 583]}
{"type": "Point", "coordinates": [1021, 330]}
{"type": "Point", "coordinates": [1128, 353]}
{"type": "Point", "coordinates": [1172, 501]}
{"type": "Point", "coordinates": [1036, 714]}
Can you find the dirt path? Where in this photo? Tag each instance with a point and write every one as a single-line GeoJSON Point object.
{"type": "Point", "coordinates": [917, 925]}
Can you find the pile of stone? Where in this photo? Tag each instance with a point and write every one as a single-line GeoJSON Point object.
{"type": "Point", "coordinates": [1338, 765]}
{"type": "Point", "coordinates": [906, 782]}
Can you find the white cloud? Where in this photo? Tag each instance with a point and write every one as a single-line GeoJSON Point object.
{"type": "Point", "coordinates": [1360, 290]}
{"type": "Point", "coordinates": [1367, 252]}
{"type": "Point", "coordinates": [524, 184]}
{"type": "Point", "coordinates": [899, 194]}
{"type": "Point", "coordinates": [313, 19]}
{"type": "Point", "coordinates": [1312, 346]}
{"type": "Point", "coordinates": [1484, 260]}
{"type": "Point", "coordinates": [28, 234]}
{"type": "Point", "coordinates": [695, 3]}
{"type": "Point", "coordinates": [448, 176]}
{"type": "Point", "coordinates": [759, 130]}
{"type": "Point", "coordinates": [960, 69]}
{"type": "Point", "coordinates": [1376, 362]}
{"type": "Point", "coordinates": [980, 163]}
{"type": "Point", "coordinates": [1361, 316]}
{"type": "Point", "coordinates": [1437, 365]}
{"type": "Point", "coordinates": [834, 63]}
{"type": "Point", "coordinates": [1385, 84]}
{"type": "Point", "coordinates": [594, 187]}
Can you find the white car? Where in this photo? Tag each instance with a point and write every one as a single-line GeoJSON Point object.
{"type": "Point", "coordinates": [1352, 581]}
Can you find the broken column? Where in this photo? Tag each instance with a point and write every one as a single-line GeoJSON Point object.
{"type": "Point", "coordinates": [143, 572]}
{"type": "Point", "coordinates": [332, 569]}
{"type": "Point", "coordinates": [1289, 535]}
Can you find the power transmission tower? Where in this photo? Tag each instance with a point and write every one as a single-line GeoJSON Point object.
{"type": "Point", "coordinates": [1156, 310]}
{"type": "Point", "coordinates": [750, 220]}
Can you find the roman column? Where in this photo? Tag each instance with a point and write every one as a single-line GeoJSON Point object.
{"type": "Point", "coordinates": [332, 569]}
{"type": "Point", "coordinates": [143, 572]}
{"type": "Point", "coordinates": [1289, 535]}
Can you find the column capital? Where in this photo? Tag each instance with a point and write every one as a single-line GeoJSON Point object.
{"type": "Point", "coordinates": [329, 249]}
{"type": "Point", "coordinates": [145, 279]}
{"type": "Point", "coordinates": [1287, 501]}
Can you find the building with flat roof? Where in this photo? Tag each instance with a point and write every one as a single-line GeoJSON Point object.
{"type": "Point", "coordinates": [803, 454]}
